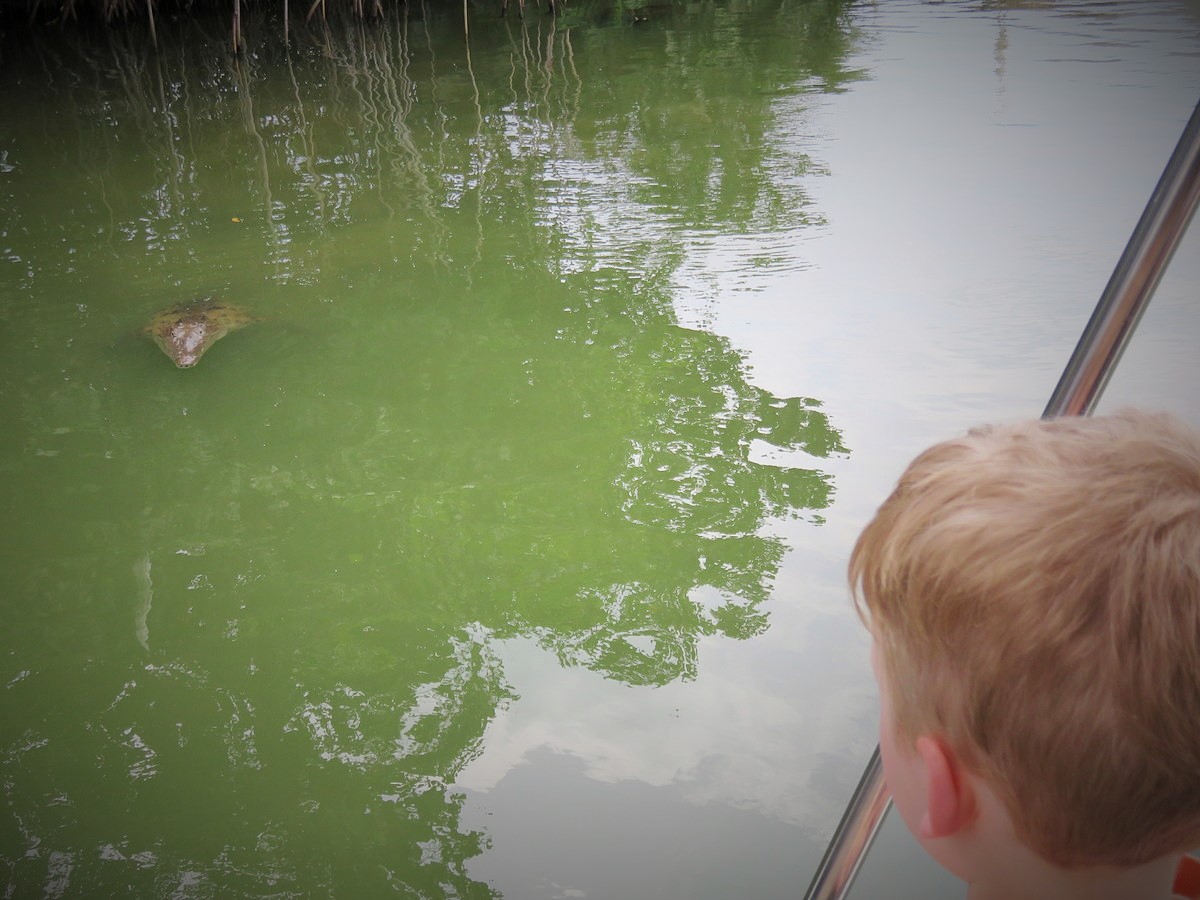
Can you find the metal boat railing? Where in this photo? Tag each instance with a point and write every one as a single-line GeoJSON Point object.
{"type": "Point", "coordinates": [1153, 242]}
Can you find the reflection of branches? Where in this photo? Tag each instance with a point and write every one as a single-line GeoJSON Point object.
{"type": "Point", "coordinates": [648, 638]}
{"type": "Point", "coordinates": [613, 540]}
{"type": "Point", "coordinates": [245, 95]}
{"type": "Point", "coordinates": [570, 56]}
{"type": "Point", "coordinates": [361, 78]}
{"type": "Point", "coordinates": [554, 457]}
{"type": "Point", "coordinates": [376, 65]}
{"type": "Point", "coordinates": [635, 644]}
{"type": "Point", "coordinates": [470, 67]}
{"type": "Point", "coordinates": [431, 728]}
{"type": "Point", "coordinates": [307, 143]}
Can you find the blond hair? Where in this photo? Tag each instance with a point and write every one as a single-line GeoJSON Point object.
{"type": "Point", "coordinates": [1035, 592]}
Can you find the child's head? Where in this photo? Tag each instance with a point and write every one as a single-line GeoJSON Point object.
{"type": "Point", "coordinates": [1034, 595]}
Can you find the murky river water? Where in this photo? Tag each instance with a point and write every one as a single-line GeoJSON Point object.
{"type": "Point", "coordinates": [502, 553]}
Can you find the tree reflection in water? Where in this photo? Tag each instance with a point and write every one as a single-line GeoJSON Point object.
{"type": "Point", "coordinates": [470, 414]}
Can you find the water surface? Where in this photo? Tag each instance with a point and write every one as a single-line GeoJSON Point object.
{"type": "Point", "coordinates": [503, 555]}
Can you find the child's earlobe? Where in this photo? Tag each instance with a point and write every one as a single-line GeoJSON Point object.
{"type": "Point", "coordinates": [949, 799]}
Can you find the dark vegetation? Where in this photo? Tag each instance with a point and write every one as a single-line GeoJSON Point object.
{"type": "Point", "coordinates": [153, 14]}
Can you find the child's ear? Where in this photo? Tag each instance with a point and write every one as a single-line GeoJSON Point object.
{"type": "Point", "coordinates": [949, 799]}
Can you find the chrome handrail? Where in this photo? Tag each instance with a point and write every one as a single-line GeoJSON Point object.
{"type": "Point", "coordinates": [1137, 274]}
{"type": "Point", "coordinates": [1138, 271]}
{"type": "Point", "coordinates": [855, 833]}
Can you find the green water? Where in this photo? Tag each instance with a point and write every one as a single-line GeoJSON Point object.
{"type": "Point", "coordinates": [251, 609]}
